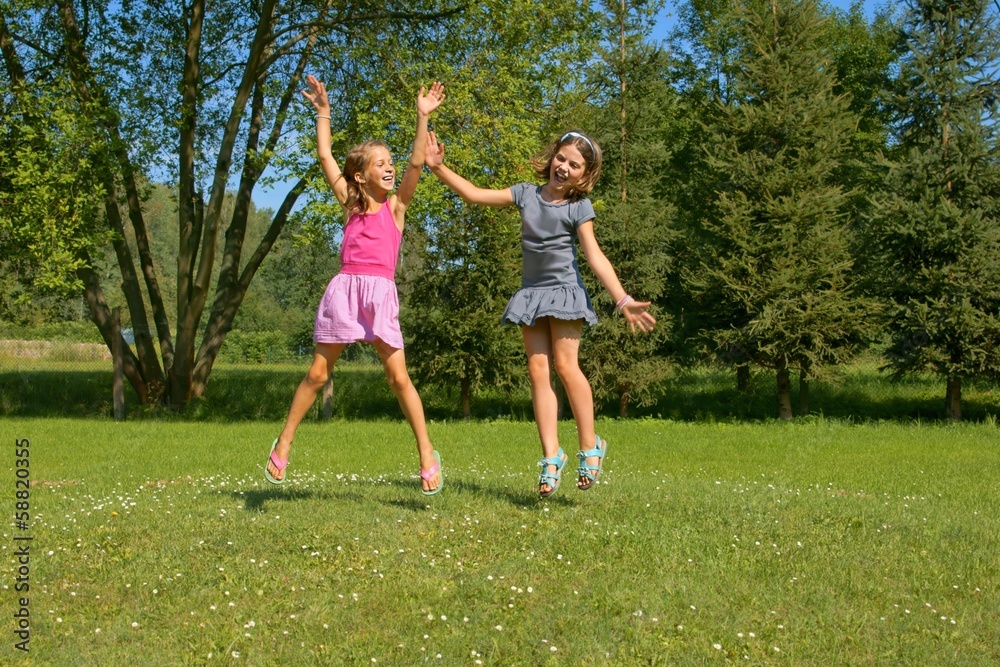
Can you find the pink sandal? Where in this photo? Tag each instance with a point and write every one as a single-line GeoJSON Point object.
{"type": "Point", "coordinates": [428, 474]}
{"type": "Point", "coordinates": [278, 463]}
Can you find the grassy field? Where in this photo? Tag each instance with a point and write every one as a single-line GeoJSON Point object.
{"type": "Point", "coordinates": [820, 542]}
{"type": "Point", "coordinates": [858, 392]}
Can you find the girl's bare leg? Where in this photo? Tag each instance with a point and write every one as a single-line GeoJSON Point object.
{"type": "Point", "coordinates": [538, 347]}
{"type": "Point", "coordinates": [324, 357]}
{"type": "Point", "coordinates": [566, 350]}
{"type": "Point", "coordinates": [394, 363]}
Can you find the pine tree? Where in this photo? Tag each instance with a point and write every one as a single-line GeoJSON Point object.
{"type": "Point", "coordinates": [631, 116]}
{"type": "Point", "coordinates": [935, 226]}
{"type": "Point", "coordinates": [774, 275]}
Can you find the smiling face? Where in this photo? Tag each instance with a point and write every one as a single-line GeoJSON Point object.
{"type": "Point", "coordinates": [380, 175]}
{"type": "Point", "coordinates": [566, 170]}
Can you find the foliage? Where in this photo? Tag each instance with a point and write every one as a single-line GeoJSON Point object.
{"type": "Point", "coordinates": [936, 223]}
{"type": "Point", "coordinates": [776, 272]}
{"type": "Point", "coordinates": [228, 74]}
{"type": "Point", "coordinates": [52, 158]}
{"type": "Point", "coordinates": [458, 285]}
{"type": "Point", "coordinates": [632, 114]}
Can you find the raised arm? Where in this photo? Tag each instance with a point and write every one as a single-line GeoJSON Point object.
{"type": "Point", "coordinates": [317, 95]}
{"type": "Point", "coordinates": [434, 159]}
{"type": "Point", "coordinates": [427, 102]}
{"type": "Point", "coordinates": [634, 312]}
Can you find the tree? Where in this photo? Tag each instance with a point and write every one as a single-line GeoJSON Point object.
{"type": "Point", "coordinates": [774, 271]}
{"type": "Point", "coordinates": [457, 282]}
{"type": "Point", "coordinates": [226, 76]}
{"type": "Point", "coordinates": [631, 113]}
{"type": "Point", "coordinates": [935, 226]}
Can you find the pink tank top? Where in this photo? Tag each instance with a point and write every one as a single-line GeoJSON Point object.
{"type": "Point", "coordinates": [371, 244]}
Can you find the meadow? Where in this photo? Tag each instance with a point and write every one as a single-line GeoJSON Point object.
{"type": "Point", "coordinates": [812, 543]}
{"type": "Point", "coordinates": [863, 534]}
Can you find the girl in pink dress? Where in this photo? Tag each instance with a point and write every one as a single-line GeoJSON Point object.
{"type": "Point", "coordinates": [360, 302]}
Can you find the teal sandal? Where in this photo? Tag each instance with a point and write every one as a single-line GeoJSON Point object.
{"type": "Point", "coordinates": [591, 472]}
{"type": "Point", "coordinates": [553, 479]}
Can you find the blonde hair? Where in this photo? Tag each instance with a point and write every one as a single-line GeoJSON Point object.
{"type": "Point", "coordinates": [358, 160]}
{"type": "Point", "coordinates": [591, 152]}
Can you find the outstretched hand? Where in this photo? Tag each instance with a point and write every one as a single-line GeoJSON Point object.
{"type": "Point", "coordinates": [317, 95]}
{"type": "Point", "coordinates": [636, 315]}
{"type": "Point", "coordinates": [429, 101]}
{"type": "Point", "coordinates": [434, 154]}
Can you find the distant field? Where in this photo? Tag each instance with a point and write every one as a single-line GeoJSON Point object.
{"type": "Point", "coordinates": [814, 543]}
{"type": "Point", "coordinates": [45, 388]}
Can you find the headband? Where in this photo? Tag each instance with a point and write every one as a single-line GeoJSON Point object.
{"type": "Point", "coordinates": [579, 136]}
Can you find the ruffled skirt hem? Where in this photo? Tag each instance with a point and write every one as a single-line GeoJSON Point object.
{"type": "Point", "coordinates": [564, 302]}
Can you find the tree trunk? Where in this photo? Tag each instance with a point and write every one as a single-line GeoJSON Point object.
{"type": "Point", "coordinates": [117, 388]}
{"type": "Point", "coordinates": [100, 314]}
{"type": "Point", "coordinates": [466, 397]}
{"type": "Point", "coordinates": [804, 391]}
{"type": "Point", "coordinates": [327, 410]}
{"type": "Point", "coordinates": [743, 378]}
{"type": "Point", "coordinates": [953, 399]}
{"type": "Point", "coordinates": [560, 399]}
{"type": "Point", "coordinates": [784, 393]}
{"type": "Point", "coordinates": [232, 285]}
{"type": "Point", "coordinates": [623, 404]}
{"type": "Point", "coordinates": [83, 81]}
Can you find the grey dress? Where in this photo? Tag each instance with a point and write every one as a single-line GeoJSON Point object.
{"type": "Point", "coordinates": [551, 285]}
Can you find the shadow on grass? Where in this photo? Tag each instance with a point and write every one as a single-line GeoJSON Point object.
{"type": "Point", "coordinates": [240, 393]}
{"type": "Point", "coordinates": [517, 497]}
{"type": "Point", "coordinates": [257, 500]}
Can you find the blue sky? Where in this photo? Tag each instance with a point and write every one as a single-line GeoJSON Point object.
{"type": "Point", "coordinates": [665, 22]}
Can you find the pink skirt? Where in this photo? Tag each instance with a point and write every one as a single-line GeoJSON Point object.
{"type": "Point", "coordinates": [359, 307]}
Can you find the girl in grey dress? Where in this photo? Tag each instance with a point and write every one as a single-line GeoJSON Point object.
{"type": "Point", "coordinates": [552, 304]}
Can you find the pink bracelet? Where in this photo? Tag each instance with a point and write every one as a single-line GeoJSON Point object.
{"type": "Point", "coordinates": [624, 301]}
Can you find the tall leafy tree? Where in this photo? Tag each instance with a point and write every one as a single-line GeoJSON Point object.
{"type": "Point", "coordinates": [775, 265]}
{"type": "Point", "coordinates": [936, 225]}
{"type": "Point", "coordinates": [226, 75]}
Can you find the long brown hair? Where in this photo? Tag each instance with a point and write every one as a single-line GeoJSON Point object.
{"type": "Point", "coordinates": [358, 160]}
{"type": "Point", "coordinates": [591, 152]}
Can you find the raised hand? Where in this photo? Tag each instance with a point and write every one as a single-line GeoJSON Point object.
{"type": "Point", "coordinates": [429, 101]}
{"type": "Point", "coordinates": [434, 153]}
{"type": "Point", "coordinates": [317, 95]}
{"type": "Point", "coordinates": [636, 315]}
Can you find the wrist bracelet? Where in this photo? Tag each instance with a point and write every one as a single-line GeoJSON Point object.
{"type": "Point", "coordinates": [622, 302]}
{"type": "Point", "coordinates": [318, 116]}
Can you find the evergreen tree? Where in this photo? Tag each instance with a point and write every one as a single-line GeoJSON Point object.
{"type": "Point", "coordinates": [458, 277]}
{"type": "Point", "coordinates": [774, 274]}
{"type": "Point", "coordinates": [631, 116]}
{"type": "Point", "coordinates": [935, 226]}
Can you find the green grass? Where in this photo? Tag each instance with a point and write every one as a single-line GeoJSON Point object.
{"type": "Point", "coordinates": [812, 543]}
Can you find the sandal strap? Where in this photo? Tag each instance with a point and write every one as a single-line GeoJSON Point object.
{"type": "Point", "coordinates": [558, 461]}
{"type": "Point", "coordinates": [598, 450]}
{"type": "Point", "coordinates": [586, 469]}
{"type": "Point", "coordinates": [278, 463]}
{"type": "Point", "coordinates": [427, 474]}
